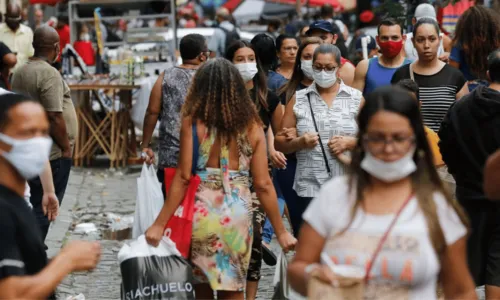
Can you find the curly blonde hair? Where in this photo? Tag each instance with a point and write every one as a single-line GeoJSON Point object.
{"type": "Point", "coordinates": [219, 99]}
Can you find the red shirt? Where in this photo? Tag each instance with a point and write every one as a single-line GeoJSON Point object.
{"type": "Point", "coordinates": [63, 36]}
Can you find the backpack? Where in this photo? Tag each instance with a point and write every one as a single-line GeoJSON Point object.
{"type": "Point", "coordinates": [231, 37]}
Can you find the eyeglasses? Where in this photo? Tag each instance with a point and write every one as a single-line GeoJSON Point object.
{"type": "Point", "coordinates": [327, 69]}
{"type": "Point", "coordinates": [377, 145]}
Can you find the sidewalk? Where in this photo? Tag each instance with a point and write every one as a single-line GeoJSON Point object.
{"type": "Point", "coordinates": [90, 194]}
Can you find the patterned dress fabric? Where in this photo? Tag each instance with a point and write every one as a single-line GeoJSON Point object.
{"type": "Point", "coordinates": [175, 86]}
{"type": "Point", "coordinates": [222, 222]}
{"type": "Point", "coordinates": [340, 119]}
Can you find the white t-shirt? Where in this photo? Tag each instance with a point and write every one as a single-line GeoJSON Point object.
{"type": "Point", "coordinates": [411, 52]}
{"type": "Point", "coordinates": [407, 266]}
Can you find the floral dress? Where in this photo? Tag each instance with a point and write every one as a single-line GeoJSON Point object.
{"type": "Point", "coordinates": [222, 221]}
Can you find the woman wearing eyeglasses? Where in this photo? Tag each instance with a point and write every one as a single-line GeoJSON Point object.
{"type": "Point", "coordinates": [391, 216]}
{"type": "Point", "coordinates": [324, 115]}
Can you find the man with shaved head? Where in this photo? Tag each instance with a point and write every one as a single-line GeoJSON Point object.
{"type": "Point", "coordinates": [16, 36]}
{"type": "Point", "coordinates": [40, 80]}
{"type": "Point", "coordinates": [224, 35]}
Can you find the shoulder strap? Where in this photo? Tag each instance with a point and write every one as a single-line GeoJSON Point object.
{"type": "Point", "coordinates": [384, 238]}
{"type": "Point", "coordinates": [319, 135]}
{"type": "Point", "coordinates": [412, 75]}
{"type": "Point", "coordinates": [196, 149]}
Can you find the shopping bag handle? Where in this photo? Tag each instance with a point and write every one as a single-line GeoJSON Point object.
{"type": "Point", "coordinates": [196, 149]}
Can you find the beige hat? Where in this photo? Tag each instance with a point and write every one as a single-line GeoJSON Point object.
{"type": "Point", "coordinates": [425, 10]}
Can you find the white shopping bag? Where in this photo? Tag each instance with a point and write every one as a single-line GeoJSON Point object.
{"type": "Point", "coordinates": [149, 200]}
{"type": "Point", "coordinates": [282, 289]}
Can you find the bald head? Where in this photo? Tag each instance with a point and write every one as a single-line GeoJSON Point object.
{"type": "Point", "coordinates": [13, 10]}
{"type": "Point", "coordinates": [13, 16]}
{"type": "Point", "coordinates": [46, 42]}
{"type": "Point", "coordinates": [223, 13]}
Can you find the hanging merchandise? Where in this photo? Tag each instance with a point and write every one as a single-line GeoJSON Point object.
{"type": "Point", "coordinates": [154, 272]}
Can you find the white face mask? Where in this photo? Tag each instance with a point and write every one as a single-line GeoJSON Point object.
{"type": "Point", "coordinates": [27, 156]}
{"type": "Point", "coordinates": [389, 171]}
{"type": "Point", "coordinates": [85, 37]}
{"type": "Point", "coordinates": [324, 79]}
{"type": "Point", "coordinates": [307, 68]}
{"type": "Point", "coordinates": [247, 70]}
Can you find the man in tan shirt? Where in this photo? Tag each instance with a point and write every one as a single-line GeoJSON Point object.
{"type": "Point", "coordinates": [38, 79]}
{"type": "Point", "coordinates": [16, 36]}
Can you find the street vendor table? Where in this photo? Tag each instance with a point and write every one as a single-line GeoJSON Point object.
{"type": "Point", "coordinates": [111, 130]}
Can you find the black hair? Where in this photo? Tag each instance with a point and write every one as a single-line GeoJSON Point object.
{"type": "Point", "coordinates": [282, 37]}
{"type": "Point", "coordinates": [265, 51]}
{"type": "Point", "coordinates": [494, 66]}
{"type": "Point", "coordinates": [328, 49]}
{"type": "Point", "coordinates": [326, 11]}
{"type": "Point", "coordinates": [259, 80]}
{"type": "Point", "coordinates": [191, 46]}
{"type": "Point", "coordinates": [389, 22]}
{"type": "Point", "coordinates": [410, 86]}
{"type": "Point", "coordinates": [276, 23]}
{"type": "Point", "coordinates": [423, 21]}
{"type": "Point", "coordinates": [7, 102]}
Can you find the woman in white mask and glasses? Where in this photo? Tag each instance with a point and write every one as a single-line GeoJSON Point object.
{"type": "Point", "coordinates": [324, 116]}
{"type": "Point", "coordinates": [391, 217]}
{"type": "Point", "coordinates": [244, 57]}
{"type": "Point", "coordinates": [25, 272]}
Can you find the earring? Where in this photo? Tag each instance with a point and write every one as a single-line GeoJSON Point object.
{"type": "Point", "coordinates": [421, 153]}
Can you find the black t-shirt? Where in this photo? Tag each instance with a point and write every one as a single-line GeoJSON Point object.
{"type": "Point", "coordinates": [22, 251]}
{"type": "Point", "coordinates": [437, 92]}
{"type": "Point", "coordinates": [266, 115]}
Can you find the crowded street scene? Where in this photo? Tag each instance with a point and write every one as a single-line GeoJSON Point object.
{"type": "Point", "coordinates": [250, 149]}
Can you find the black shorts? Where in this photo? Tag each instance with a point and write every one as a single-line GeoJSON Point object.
{"type": "Point", "coordinates": [483, 245]}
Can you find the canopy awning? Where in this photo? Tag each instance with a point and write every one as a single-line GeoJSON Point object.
{"type": "Point", "coordinates": [255, 9]}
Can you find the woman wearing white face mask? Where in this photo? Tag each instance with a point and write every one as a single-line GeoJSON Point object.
{"type": "Point", "coordinates": [24, 150]}
{"type": "Point", "coordinates": [326, 109]}
{"type": "Point", "coordinates": [391, 217]}
{"type": "Point", "coordinates": [243, 56]}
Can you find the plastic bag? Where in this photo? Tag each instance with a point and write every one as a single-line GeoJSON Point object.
{"type": "Point", "coordinates": [149, 201]}
{"type": "Point", "coordinates": [280, 282]}
{"type": "Point", "coordinates": [282, 290]}
{"type": "Point", "coordinates": [154, 272]}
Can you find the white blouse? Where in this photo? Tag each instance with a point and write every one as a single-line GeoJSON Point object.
{"type": "Point", "coordinates": [340, 119]}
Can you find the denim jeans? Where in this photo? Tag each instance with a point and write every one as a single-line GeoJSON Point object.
{"type": "Point", "coordinates": [61, 168]}
{"type": "Point", "coordinates": [268, 230]}
{"type": "Point", "coordinates": [285, 179]}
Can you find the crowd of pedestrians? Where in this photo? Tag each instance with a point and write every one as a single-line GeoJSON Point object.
{"type": "Point", "coordinates": [357, 178]}
{"type": "Point", "coordinates": [350, 153]}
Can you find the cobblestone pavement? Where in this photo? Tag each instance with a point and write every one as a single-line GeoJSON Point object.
{"type": "Point", "coordinates": [91, 194]}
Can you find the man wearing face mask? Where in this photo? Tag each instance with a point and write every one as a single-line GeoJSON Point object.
{"type": "Point", "coordinates": [38, 79]}
{"type": "Point", "coordinates": [25, 272]}
{"type": "Point", "coordinates": [378, 71]}
{"type": "Point", "coordinates": [16, 36]}
{"type": "Point", "coordinates": [329, 33]}
{"type": "Point", "coordinates": [165, 102]}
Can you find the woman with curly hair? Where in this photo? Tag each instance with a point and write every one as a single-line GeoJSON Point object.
{"type": "Point", "coordinates": [477, 35]}
{"type": "Point", "coordinates": [219, 110]}
{"type": "Point", "coordinates": [244, 57]}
